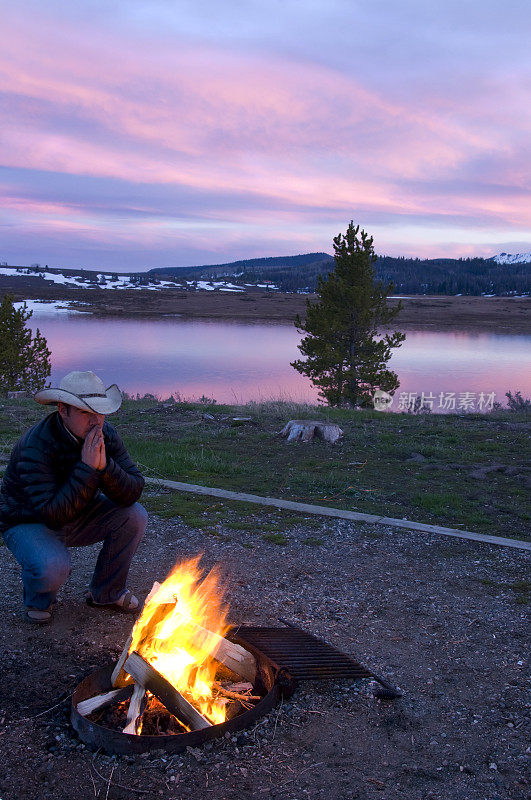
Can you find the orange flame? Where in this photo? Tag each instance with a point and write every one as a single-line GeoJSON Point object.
{"type": "Point", "coordinates": [174, 632]}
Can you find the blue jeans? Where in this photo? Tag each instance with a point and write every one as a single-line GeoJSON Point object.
{"type": "Point", "coordinates": [43, 555]}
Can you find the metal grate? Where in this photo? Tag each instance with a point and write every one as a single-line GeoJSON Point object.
{"type": "Point", "coordinates": [304, 656]}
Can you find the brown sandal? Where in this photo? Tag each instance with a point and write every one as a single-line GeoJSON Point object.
{"type": "Point", "coordinates": [127, 603]}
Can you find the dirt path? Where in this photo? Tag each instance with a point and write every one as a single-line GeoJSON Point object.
{"type": "Point", "coordinates": [445, 620]}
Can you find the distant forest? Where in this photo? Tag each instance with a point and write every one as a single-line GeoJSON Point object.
{"type": "Point", "coordinates": [469, 276]}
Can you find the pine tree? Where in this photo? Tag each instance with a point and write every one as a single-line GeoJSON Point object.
{"type": "Point", "coordinates": [343, 357]}
{"type": "Point", "coordinates": [24, 359]}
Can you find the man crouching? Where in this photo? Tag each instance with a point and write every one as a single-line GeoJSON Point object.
{"type": "Point", "coordinates": [70, 482]}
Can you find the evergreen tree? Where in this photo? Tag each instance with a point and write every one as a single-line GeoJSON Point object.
{"type": "Point", "coordinates": [343, 357]}
{"type": "Point", "coordinates": [24, 359]}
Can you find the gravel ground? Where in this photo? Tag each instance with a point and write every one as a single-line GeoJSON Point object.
{"type": "Point", "coordinates": [446, 620]}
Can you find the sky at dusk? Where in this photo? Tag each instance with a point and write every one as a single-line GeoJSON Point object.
{"type": "Point", "coordinates": [173, 133]}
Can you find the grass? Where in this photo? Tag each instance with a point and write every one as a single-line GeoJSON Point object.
{"type": "Point", "coordinates": [521, 589]}
{"type": "Point", "coordinates": [436, 503]}
{"type": "Point", "coordinates": [368, 470]}
{"type": "Point", "coordinates": [275, 538]}
{"type": "Point", "coordinates": [313, 541]}
{"type": "Point", "coordinates": [203, 513]}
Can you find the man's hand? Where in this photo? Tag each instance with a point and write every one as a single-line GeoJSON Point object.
{"type": "Point", "coordinates": [93, 450]}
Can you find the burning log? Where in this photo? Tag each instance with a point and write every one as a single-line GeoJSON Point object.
{"type": "Point", "coordinates": [136, 709]}
{"type": "Point", "coordinates": [232, 655]}
{"type": "Point", "coordinates": [180, 672]}
{"type": "Point", "coordinates": [147, 677]}
{"type": "Point", "coordinates": [237, 695]}
{"type": "Point", "coordinates": [242, 686]}
{"type": "Point", "coordinates": [119, 676]}
{"type": "Point", "coordinates": [174, 648]}
{"type": "Point", "coordinates": [226, 652]}
{"type": "Point", "coordinates": [86, 707]}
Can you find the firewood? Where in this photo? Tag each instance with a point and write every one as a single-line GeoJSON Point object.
{"type": "Point", "coordinates": [228, 653]}
{"type": "Point", "coordinates": [158, 614]}
{"type": "Point", "coordinates": [225, 675]}
{"type": "Point", "coordinates": [147, 676]}
{"type": "Point", "coordinates": [154, 589]}
{"type": "Point", "coordinates": [232, 655]}
{"type": "Point", "coordinates": [241, 686]}
{"type": "Point", "coordinates": [136, 709]}
{"type": "Point", "coordinates": [236, 695]}
{"type": "Point", "coordinates": [86, 707]}
{"type": "Point", "coordinates": [119, 677]}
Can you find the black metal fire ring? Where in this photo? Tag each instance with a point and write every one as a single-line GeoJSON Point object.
{"type": "Point", "coordinates": [284, 656]}
{"type": "Point", "coordinates": [116, 742]}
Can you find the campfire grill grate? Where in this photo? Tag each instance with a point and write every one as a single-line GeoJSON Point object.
{"type": "Point", "coordinates": [304, 656]}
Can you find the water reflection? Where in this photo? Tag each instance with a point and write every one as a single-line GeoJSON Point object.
{"type": "Point", "coordinates": [240, 361]}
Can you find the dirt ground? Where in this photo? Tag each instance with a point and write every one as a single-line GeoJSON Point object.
{"type": "Point", "coordinates": [496, 314]}
{"type": "Point", "coordinates": [444, 619]}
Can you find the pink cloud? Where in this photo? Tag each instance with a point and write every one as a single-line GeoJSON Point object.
{"type": "Point", "coordinates": [296, 138]}
{"type": "Point", "coordinates": [206, 103]}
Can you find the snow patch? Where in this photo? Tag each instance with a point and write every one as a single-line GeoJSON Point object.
{"type": "Point", "coordinates": [210, 286]}
{"type": "Point", "coordinates": [518, 258]}
{"type": "Point", "coordinates": [106, 280]}
{"type": "Point", "coordinates": [103, 280]}
{"type": "Point", "coordinates": [43, 308]}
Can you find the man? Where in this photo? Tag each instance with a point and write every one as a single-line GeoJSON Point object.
{"type": "Point", "coordinates": [70, 482]}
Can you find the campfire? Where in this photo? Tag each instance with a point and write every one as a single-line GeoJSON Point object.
{"type": "Point", "coordinates": [177, 669]}
{"type": "Point", "coordinates": [185, 676]}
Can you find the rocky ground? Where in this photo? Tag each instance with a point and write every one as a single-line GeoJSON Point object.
{"type": "Point", "coordinates": [444, 619]}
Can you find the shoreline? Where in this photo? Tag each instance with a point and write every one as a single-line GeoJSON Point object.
{"type": "Point", "coordinates": [425, 312]}
{"type": "Point", "coordinates": [440, 313]}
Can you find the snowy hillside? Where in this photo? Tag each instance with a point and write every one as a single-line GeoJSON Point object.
{"type": "Point", "coordinates": [104, 280]}
{"type": "Point", "coordinates": [500, 275]}
{"type": "Point", "coordinates": [507, 258]}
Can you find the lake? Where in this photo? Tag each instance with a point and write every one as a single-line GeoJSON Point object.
{"type": "Point", "coordinates": [235, 362]}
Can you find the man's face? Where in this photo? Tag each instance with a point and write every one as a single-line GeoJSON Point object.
{"type": "Point", "coordinates": [78, 421]}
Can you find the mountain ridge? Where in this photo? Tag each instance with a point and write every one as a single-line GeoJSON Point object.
{"type": "Point", "coordinates": [409, 275]}
{"type": "Point", "coordinates": [310, 258]}
{"type": "Point", "coordinates": [300, 273]}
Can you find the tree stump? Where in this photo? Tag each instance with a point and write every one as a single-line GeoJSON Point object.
{"type": "Point", "coordinates": [304, 430]}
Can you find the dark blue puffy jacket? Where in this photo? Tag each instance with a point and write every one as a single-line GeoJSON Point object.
{"type": "Point", "coordinates": [46, 481]}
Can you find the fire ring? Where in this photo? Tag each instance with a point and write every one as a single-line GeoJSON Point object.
{"type": "Point", "coordinates": [179, 646]}
{"type": "Point", "coordinates": [274, 684]}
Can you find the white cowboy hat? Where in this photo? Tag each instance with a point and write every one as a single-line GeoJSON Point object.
{"type": "Point", "coordinates": [83, 390]}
